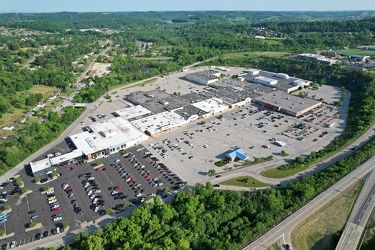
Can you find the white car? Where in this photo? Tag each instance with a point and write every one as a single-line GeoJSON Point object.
{"type": "Point", "coordinates": [52, 201]}
{"type": "Point", "coordinates": [57, 154]}
{"type": "Point", "coordinates": [92, 197]}
{"type": "Point", "coordinates": [12, 244]}
{"type": "Point", "coordinates": [89, 193]}
{"type": "Point", "coordinates": [57, 230]}
{"type": "Point", "coordinates": [57, 218]}
{"type": "Point", "coordinates": [91, 178]}
{"type": "Point", "coordinates": [55, 206]}
{"type": "Point", "coordinates": [50, 192]}
{"type": "Point", "coordinates": [97, 191]}
{"type": "Point", "coordinates": [96, 209]}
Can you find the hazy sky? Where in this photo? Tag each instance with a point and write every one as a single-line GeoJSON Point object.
{"type": "Point", "coordinates": [159, 5]}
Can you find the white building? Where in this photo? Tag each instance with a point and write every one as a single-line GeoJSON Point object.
{"type": "Point", "coordinates": [212, 106]}
{"type": "Point", "coordinates": [265, 80]}
{"type": "Point", "coordinates": [158, 123]}
{"type": "Point", "coordinates": [133, 112]}
{"type": "Point", "coordinates": [253, 72]}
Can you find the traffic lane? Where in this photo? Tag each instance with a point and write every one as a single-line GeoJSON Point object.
{"type": "Point", "coordinates": [19, 219]}
{"type": "Point", "coordinates": [106, 179]}
{"type": "Point", "coordinates": [66, 209]}
{"type": "Point", "coordinates": [366, 202]}
{"type": "Point", "coordinates": [82, 200]}
{"type": "Point", "coordinates": [18, 222]}
{"type": "Point", "coordinates": [71, 178]}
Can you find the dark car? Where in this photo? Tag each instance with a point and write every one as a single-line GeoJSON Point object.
{"type": "Point", "coordinates": [38, 236]}
{"type": "Point", "coordinates": [216, 185]}
{"type": "Point", "coordinates": [4, 246]}
{"type": "Point", "coordinates": [32, 211]}
{"type": "Point", "coordinates": [45, 234]}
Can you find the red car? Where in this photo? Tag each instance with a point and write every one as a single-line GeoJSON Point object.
{"type": "Point", "coordinates": [117, 187]}
{"type": "Point", "coordinates": [68, 189]}
{"type": "Point", "coordinates": [55, 209]}
{"type": "Point", "coordinates": [130, 182]}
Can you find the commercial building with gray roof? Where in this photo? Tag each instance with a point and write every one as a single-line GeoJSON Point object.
{"type": "Point", "coordinates": [285, 103]}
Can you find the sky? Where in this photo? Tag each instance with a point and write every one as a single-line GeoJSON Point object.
{"type": "Point", "coordinates": [165, 5]}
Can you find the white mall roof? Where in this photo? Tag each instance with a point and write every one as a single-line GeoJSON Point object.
{"type": "Point", "coordinates": [107, 134]}
{"type": "Point", "coordinates": [133, 112]}
{"type": "Point", "coordinates": [156, 122]}
{"type": "Point", "coordinates": [212, 104]}
{"type": "Point", "coordinates": [40, 165]}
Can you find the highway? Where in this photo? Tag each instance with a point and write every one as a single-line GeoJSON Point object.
{"type": "Point", "coordinates": [285, 227]}
{"type": "Point", "coordinates": [356, 225]}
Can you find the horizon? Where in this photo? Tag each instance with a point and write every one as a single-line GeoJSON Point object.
{"type": "Point", "coordinates": [133, 11]}
{"type": "Point", "coordinates": [85, 6]}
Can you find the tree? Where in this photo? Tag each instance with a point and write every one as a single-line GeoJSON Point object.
{"type": "Point", "coordinates": [2, 232]}
{"type": "Point", "coordinates": [108, 211]}
{"type": "Point", "coordinates": [24, 190]}
{"type": "Point", "coordinates": [53, 174]}
{"type": "Point", "coordinates": [45, 188]}
{"type": "Point", "coordinates": [37, 180]}
{"type": "Point", "coordinates": [7, 207]}
{"type": "Point", "coordinates": [39, 97]}
{"type": "Point", "coordinates": [31, 100]}
{"type": "Point", "coordinates": [211, 171]}
{"type": "Point", "coordinates": [65, 224]}
{"type": "Point", "coordinates": [300, 159]}
{"type": "Point", "coordinates": [32, 224]}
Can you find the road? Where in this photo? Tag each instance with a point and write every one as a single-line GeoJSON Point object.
{"type": "Point", "coordinates": [356, 225]}
{"type": "Point", "coordinates": [285, 227]}
{"type": "Point", "coordinates": [67, 101]}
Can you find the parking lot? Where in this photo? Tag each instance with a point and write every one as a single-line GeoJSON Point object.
{"type": "Point", "coordinates": [120, 180]}
{"type": "Point", "coordinates": [192, 150]}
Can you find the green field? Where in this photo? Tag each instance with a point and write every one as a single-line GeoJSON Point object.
{"type": "Point", "coordinates": [323, 229]}
{"type": "Point", "coordinates": [350, 52]}
{"type": "Point", "coordinates": [245, 181]}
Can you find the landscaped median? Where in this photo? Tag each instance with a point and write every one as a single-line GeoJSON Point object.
{"type": "Point", "coordinates": [282, 173]}
{"type": "Point", "coordinates": [245, 181]}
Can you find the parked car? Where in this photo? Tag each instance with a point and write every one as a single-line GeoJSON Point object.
{"type": "Point", "coordinates": [57, 218]}
{"type": "Point", "coordinates": [55, 209]}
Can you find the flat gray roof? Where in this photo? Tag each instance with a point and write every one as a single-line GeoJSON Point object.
{"type": "Point", "coordinates": [281, 82]}
{"type": "Point", "coordinates": [153, 100]}
{"type": "Point", "coordinates": [287, 101]}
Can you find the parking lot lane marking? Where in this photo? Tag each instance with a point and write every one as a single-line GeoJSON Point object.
{"type": "Point", "coordinates": [107, 178]}
{"type": "Point", "coordinates": [83, 217]}
{"type": "Point", "coordinates": [27, 202]}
